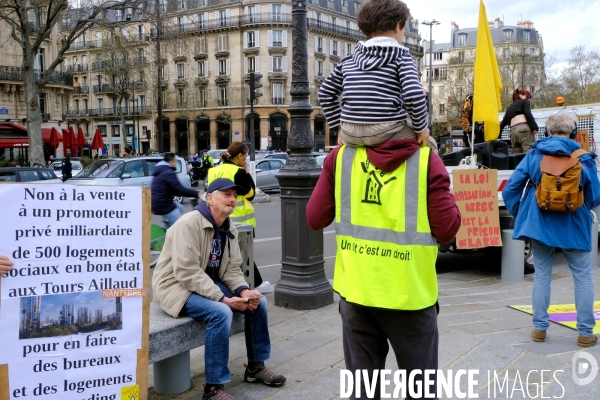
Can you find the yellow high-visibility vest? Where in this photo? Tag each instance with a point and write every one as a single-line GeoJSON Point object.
{"type": "Point", "coordinates": [244, 211]}
{"type": "Point", "coordinates": [386, 253]}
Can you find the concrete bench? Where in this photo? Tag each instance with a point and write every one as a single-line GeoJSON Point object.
{"type": "Point", "coordinates": [171, 339]}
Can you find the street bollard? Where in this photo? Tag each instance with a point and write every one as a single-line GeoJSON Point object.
{"type": "Point", "coordinates": [513, 252]}
{"type": "Point", "coordinates": [594, 252]}
{"type": "Point", "coordinates": [246, 240]}
{"type": "Point", "coordinates": [172, 375]}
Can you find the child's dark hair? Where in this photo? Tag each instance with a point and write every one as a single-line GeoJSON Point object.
{"type": "Point", "coordinates": [233, 150]}
{"type": "Point", "coordinates": [376, 16]}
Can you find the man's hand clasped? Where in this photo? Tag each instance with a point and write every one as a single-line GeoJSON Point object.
{"type": "Point", "coordinates": [249, 300]}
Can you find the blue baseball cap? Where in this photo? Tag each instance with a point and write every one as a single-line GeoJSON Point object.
{"type": "Point", "coordinates": [224, 184]}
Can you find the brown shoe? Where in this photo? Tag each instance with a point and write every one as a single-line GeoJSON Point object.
{"type": "Point", "coordinates": [538, 336]}
{"type": "Point", "coordinates": [217, 392]}
{"type": "Point", "coordinates": [586, 341]}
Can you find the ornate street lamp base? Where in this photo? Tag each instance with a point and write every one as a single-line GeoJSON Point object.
{"type": "Point", "coordinates": [303, 285]}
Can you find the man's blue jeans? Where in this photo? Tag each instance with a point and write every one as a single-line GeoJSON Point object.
{"type": "Point", "coordinates": [581, 268]}
{"type": "Point", "coordinates": [172, 217]}
{"type": "Point", "coordinates": [219, 317]}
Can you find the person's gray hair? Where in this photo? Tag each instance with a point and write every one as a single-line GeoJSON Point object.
{"type": "Point", "coordinates": [561, 124]}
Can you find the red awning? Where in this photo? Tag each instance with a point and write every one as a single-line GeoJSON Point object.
{"type": "Point", "coordinates": [11, 127]}
{"type": "Point", "coordinates": [14, 142]}
{"type": "Point", "coordinates": [46, 134]}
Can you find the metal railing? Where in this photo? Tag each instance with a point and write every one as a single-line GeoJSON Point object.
{"type": "Point", "coordinates": [106, 88]}
{"type": "Point", "coordinates": [217, 23]}
{"type": "Point", "coordinates": [223, 102]}
{"type": "Point", "coordinates": [81, 89]}
{"type": "Point", "coordinates": [332, 28]}
{"type": "Point", "coordinates": [277, 100]}
{"type": "Point", "coordinates": [413, 48]}
{"type": "Point", "coordinates": [14, 74]}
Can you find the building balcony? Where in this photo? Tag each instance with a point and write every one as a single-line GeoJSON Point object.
{"type": "Point", "coordinates": [264, 18]}
{"type": "Point", "coordinates": [277, 100]}
{"type": "Point", "coordinates": [315, 24]}
{"type": "Point", "coordinates": [106, 88]}
{"type": "Point", "coordinates": [413, 48]}
{"type": "Point", "coordinates": [14, 74]}
{"type": "Point", "coordinates": [77, 114]}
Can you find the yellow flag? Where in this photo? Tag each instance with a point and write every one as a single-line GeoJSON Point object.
{"type": "Point", "coordinates": [488, 85]}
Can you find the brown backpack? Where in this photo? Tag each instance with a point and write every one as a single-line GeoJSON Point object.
{"type": "Point", "coordinates": [560, 189]}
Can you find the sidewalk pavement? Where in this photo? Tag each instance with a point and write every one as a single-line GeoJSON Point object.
{"type": "Point", "coordinates": [477, 331]}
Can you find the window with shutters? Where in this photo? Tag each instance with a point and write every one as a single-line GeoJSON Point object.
{"type": "Point", "coordinates": [180, 48]}
{"type": "Point", "coordinates": [181, 98]}
{"type": "Point", "coordinates": [507, 35]}
{"type": "Point", "coordinates": [319, 42]}
{"type": "Point", "coordinates": [251, 39]}
{"type": "Point", "coordinates": [319, 18]}
{"type": "Point", "coordinates": [277, 67]}
{"type": "Point", "coordinates": [276, 13]}
{"type": "Point", "coordinates": [251, 64]}
{"type": "Point", "coordinates": [202, 97]}
{"type": "Point", "coordinates": [222, 67]}
{"type": "Point", "coordinates": [222, 43]}
{"type": "Point", "coordinates": [200, 69]}
{"type": "Point", "coordinates": [252, 14]}
{"type": "Point", "coordinates": [348, 49]}
{"type": "Point", "coordinates": [277, 93]}
{"type": "Point", "coordinates": [334, 48]}
{"type": "Point", "coordinates": [277, 38]}
{"type": "Point", "coordinates": [526, 36]}
{"type": "Point", "coordinates": [201, 45]}
{"type": "Point", "coordinates": [223, 95]}
{"type": "Point", "coordinates": [180, 71]}
{"type": "Point", "coordinates": [319, 68]}
{"type": "Point", "coordinates": [223, 17]}
{"type": "Point", "coordinates": [182, 4]}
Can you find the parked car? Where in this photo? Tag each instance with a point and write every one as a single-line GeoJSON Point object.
{"type": "Point", "coordinates": [216, 155]}
{"type": "Point", "coordinates": [28, 174]}
{"type": "Point", "coordinates": [57, 167]}
{"type": "Point", "coordinates": [266, 169]}
{"type": "Point", "coordinates": [320, 160]}
{"type": "Point", "coordinates": [260, 154]}
{"type": "Point", "coordinates": [126, 172]}
{"type": "Point", "coordinates": [278, 156]}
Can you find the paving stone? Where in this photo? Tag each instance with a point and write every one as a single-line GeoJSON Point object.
{"type": "Point", "coordinates": [307, 320]}
{"type": "Point", "coordinates": [552, 345]}
{"type": "Point", "coordinates": [453, 345]}
{"type": "Point", "coordinates": [496, 325]}
{"type": "Point", "coordinates": [289, 349]}
{"type": "Point", "coordinates": [448, 309]}
{"type": "Point", "coordinates": [325, 385]}
{"type": "Point", "coordinates": [566, 388]}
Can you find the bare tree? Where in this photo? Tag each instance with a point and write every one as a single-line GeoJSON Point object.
{"type": "Point", "coordinates": [30, 24]}
{"type": "Point", "coordinates": [124, 68]}
{"type": "Point", "coordinates": [582, 76]}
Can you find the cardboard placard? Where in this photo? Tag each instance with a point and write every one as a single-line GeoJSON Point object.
{"type": "Point", "coordinates": [583, 138]}
{"type": "Point", "coordinates": [74, 311]}
{"type": "Point", "coordinates": [477, 199]}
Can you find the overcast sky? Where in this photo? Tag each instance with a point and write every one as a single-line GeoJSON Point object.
{"type": "Point", "coordinates": [562, 24]}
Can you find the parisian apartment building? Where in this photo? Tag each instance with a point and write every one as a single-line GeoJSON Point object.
{"type": "Point", "coordinates": [519, 52]}
{"type": "Point", "coordinates": [208, 48]}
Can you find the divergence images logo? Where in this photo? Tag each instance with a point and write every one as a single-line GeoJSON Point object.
{"type": "Point", "coordinates": [581, 363]}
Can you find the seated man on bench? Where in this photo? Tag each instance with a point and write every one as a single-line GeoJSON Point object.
{"type": "Point", "coordinates": [198, 275]}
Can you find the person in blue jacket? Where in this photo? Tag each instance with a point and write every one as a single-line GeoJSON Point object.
{"type": "Point", "coordinates": [547, 230]}
{"type": "Point", "coordinates": [165, 186]}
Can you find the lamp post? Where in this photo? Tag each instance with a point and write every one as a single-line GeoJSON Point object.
{"type": "Point", "coordinates": [523, 55]}
{"type": "Point", "coordinates": [303, 285]}
{"type": "Point", "coordinates": [159, 100]}
{"type": "Point", "coordinates": [430, 97]}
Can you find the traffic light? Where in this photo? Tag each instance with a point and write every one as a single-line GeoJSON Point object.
{"type": "Point", "coordinates": [254, 85]}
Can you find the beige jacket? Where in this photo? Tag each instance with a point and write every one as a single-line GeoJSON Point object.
{"type": "Point", "coordinates": [180, 270]}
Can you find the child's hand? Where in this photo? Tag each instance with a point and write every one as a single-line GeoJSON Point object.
{"type": "Point", "coordinates": [423, 137]}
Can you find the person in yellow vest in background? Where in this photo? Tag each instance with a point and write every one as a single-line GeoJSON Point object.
{"type": "Point", "coordinates": [234, 167]}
